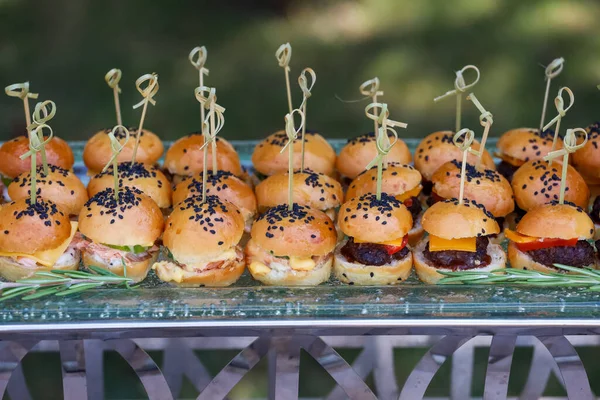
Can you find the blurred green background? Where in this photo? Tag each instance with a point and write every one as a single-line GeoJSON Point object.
{"type": "Point", "coordinates": [64, 48]}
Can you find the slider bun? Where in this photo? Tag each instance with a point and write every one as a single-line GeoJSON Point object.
{"type": "Point", "coordinates": [521, 260]}
{"type": "Point", "coordinates": [449, 220]}
{"type": "Point", "coordinates": [587, 159]}
{"type": "Point", "coordinates": [319, 156]}
{"type": "Point", "coordinates": [60, 186]}
{"type": "Point", "coordinates": [361, 150]}
{"type": "Point", "coordinates": [97, 151]}
{"type": "Point", "coordinates": [13, 271]}
{"type": "Point", "coordinates": [291, 277]}
{"type": "Point", "coordinates": [136, 270]}
{"type": "Point", "coordinates": [525, 144]}
{"type": "Point", "coordinates": [396, 179]}
{"type": "Point", "coordinates": [553, 220]}
{"type": "Point", "coordinates": [58, 153]}
{"type": "Point", "coordinates": [218, 277]}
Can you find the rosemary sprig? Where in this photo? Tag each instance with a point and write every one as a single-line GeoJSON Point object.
{"type": "Point", "coordinates": [61, 283]}
{"type": "Point", "coordinates": [585, 277]}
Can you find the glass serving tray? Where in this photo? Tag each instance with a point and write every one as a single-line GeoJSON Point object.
{"type": "Point", "coordinates": [156, 301]}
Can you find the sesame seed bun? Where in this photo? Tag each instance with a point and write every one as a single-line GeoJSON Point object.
{"type": "Point", "coordinates": [536, 183]}
{"type": "Point", "coordinates": [361, 150]}
{"type": "Point", "coordinates": [521, 260]}
{"type": "Point", "coordinates": [134, 219]}
{"type": "Point", "coordinates": [396, 179]}
{"type": "Point", "coordinates": [587, 159]}
{"type": "Point", "coordinates": [61, 186]}
{"type": "Point", "coordinates": [560, 221]}
{"type": "Point", "coordinates": [319, 156]}
{"type": "Point", "coordinates": [136, 270]}
{"type": "Point", "coordinates": [218, 277]}
{"type": "Point", "coordinates": [375, 221]}
{"type": "Point", "coordinates": [520, 145]}
{"type": "Point", "coordinates": [371, 275]}
{"type": "Point", "coordinates": [199, 232]}
{"type": "Point", "coordinates": [58, 153]}
{"type": "Point", "coordinates": [450, 220]}
{"type": "Point", "coordinates": [437, 149]}
{"type": "Point", "coordinates": [185, 158]}
{"type": "Point", "coordinates": [311, 189]}
{"type": "Point", "coordinates": [97, 150]}
{"type": "Point", "coordinates": [225, 186]}
{"type": "Point", "coordinates": [147, 178]}
{"type": "Point", "coordinates": [485, 186]}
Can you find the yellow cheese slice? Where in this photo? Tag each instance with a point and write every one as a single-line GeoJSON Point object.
{"type": "Point", "coordinates": [47, 257]}
{"type": "Point", "coordinates": [395, 242]}
{"type": "Point", "coordinates": [437, 243]}
{"type": "Point", "coordinates": [258, 268]}
{"type": "Point", "coordinates": [410, 193]}
{"type": "Point", "coordinates": [519, 238]}
{"type": "Point", "coordinates": [302, 264]}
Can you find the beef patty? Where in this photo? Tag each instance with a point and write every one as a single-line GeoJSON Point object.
{"type": "Point", "coordinates": [370, 253]}
{"type": "Point", "coordinates": [580, 255]}
{"type": "Point", "coordinates": [460, 260]}
{"type": "Point", "coordinates": [507, 170]}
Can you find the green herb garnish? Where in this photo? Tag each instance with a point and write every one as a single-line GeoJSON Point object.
{"type": "Point", "coordinates": [137, 249]}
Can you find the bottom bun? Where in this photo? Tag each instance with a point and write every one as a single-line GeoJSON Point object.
{"type": "Point", "coordinates": [429, 274]}
{"type": "Point", "coordinates": [291, 277]}
{"type": "Point", "coordinates": [137, 271]}
{"type": "Point", "coordinates": [521, 260]}
{"type": "Point", "coordinates": [417, 232]}
{"type": "Point", "coordinates": [371, 275]}
{"type": "Point", "coordinates": [14, 271]}
{"type": "Point", "coordinates": [218, 277]}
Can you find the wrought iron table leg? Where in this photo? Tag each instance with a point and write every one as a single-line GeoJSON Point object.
{"type": "Point", "coordinates": [363, 365]}
{"type": "Point", "coordinates": [498, 368]}
{"type": "Point", "coordinates": [94, 366]}
{"type": "Point", "coordinates": [284, 368]}
{"type": "Point", "coordinates": [11, 372]}
{"type": "Point", "coordinates": [384, 373]}
{"type": "Point", "coordinates": [72, 359]}
{"type": "Point", "coordinates": [461, 374]}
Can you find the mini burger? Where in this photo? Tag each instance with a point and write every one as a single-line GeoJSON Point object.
{"type": "Point", "coordinates": [359, 152]}
{"type": "Point", "coordinates": [58, 153]}
{"type": "Point", "coordinates": [120, 235]}
{"type": "Point", "coordinates": [398, 180]}
{"type": "Point", "coordinates": [268, 159]}
{"type": "Point", "coordinates": [202, 239]}
{"type": "Point", "coordinates": [587, 159]}
{"type": "Point", "coordinates": [552, 234]}
{"type": "Point", "coordinates": [226, 186]}
{"type": "Point", "coordinates": [38, 237]}
{"type": "Point", "coordinates": [147, 178]}
{"type": "Point", "coordinates": [436, 150]}
{"type": "Point", "coordinates": [376, 249]}
{"type": "Point", "coordinates": [60, 186]}
{"type": "Point", "coordinates": [185, 158]}
{"type": "Point", "coordinates": [291, 247]}
{"type": "Point", "coordinates": [458, 240]}
{"type": "Point", "coordinates": [97, 151]}
{"type": "Point", "coordinates": [518, 146]}
{"type": "Point", "coordinates": [487, 187]}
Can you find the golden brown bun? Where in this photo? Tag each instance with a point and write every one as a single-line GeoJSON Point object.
{"type": "Point", "coordinates": [545, 185]}
{"type": "Point", "coordinates": [587, 159]}
{"type": "Point", "coordinates": [60, 186]}
{"type": "Point", "coordinates": [321, 273]}
{"type": "Point", "coordinates": [396, 179]}
{"type": "Point", "coordinates": [147, 178]}
{"type": "Point", "coordinates": [449, 220]}
{"type": "Point", "coordinates": [361, 150]}
{"type": "Point", "coordinates": [302, 232]}
{"type": "Point", "coordinates": [135, 270]}
{"type": "Point", "coordinates": [184, 157]}
{"type": "Point", "coordinates": [485, 186]}
{"type": "Point", "coordinates": [520, 145]}
{"type": "Point", "coordinates": [97, 150]}
{"type": "Point", "coordinates": [371, 275]}
{"type": "Point", "coordinates": [198, 232]}
{"type": "Point", "coordinates": [311, 189]}
{"type": "Point", "coordinates": [521, 260]}
{"type": "Point", "coordinates": [319, 156]}
{"type": "Point", "coordinates": [29, 229]}
{"type": "Point", "coordinates": [225, 186]}
{"type": "Point", "coordinates": [438, 148]}
{"type": "Point", "coordinates": [14, 271]}
{"type": "Point", "coordinates": [375, 221]}
{"type": "Point", "coordinates": [58, 153]}
{"type": "Point", "coordinates": [106, 221]}
{"type": "Point", "coordinates": [560, 221]}
{"type": "Point", "coordinates": [429, 274]}
{"type": "Point", "coordinates": [218, 277]}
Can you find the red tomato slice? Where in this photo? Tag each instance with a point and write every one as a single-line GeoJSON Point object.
{"type": "Point", "coordinates": [394, 249]}
{"type": "Point", "coordinates": [408, 202]}
{"type": "Point", "coordinates": [546, 243]}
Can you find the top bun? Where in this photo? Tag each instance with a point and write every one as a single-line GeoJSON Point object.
{"type": "Point", "coordinates": [58, 153]}
{"type": "Point", "coordinates": [438, 148]}
{"type": "Point", "coordinates": [450, 220]}
{"type": "Point", "coordinates": [319, 156]}
{"type": "Point", "coordinates": [134, 219]}
{"type": "Point", "coordinates": [587, 159]}
{"type": "Point", "coordinates": [185, 158]}
{"type": "Point", "coordinates": [485, 186]}
{"type": "Point", "coordinates": [97, 151]}
{"type": "Point", "coordinates": [26, 228]}
{"type": "Point", "coordinates": [375, 221]}
{"type": "Point", "coordinates": [557, 221]}
{"type": "Point", "coordinates": [198, 232]}
{"type": "Point", "coordinates": [301, 232]}
{"type": "Point", "coordinates": [396, 179]}
{"type": "Point", "coordinates": [536, 183]}
{"type": "Point", "coordinates": [310, 189]}
{"type": "Point", "coordinates": [147, 178]}
{"type": "Point", "coordinates": [520, 145]}
{"type": "Point", "coordinates": [361, 150]}
{"type": "Point", "coordinates": [61, 186]}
